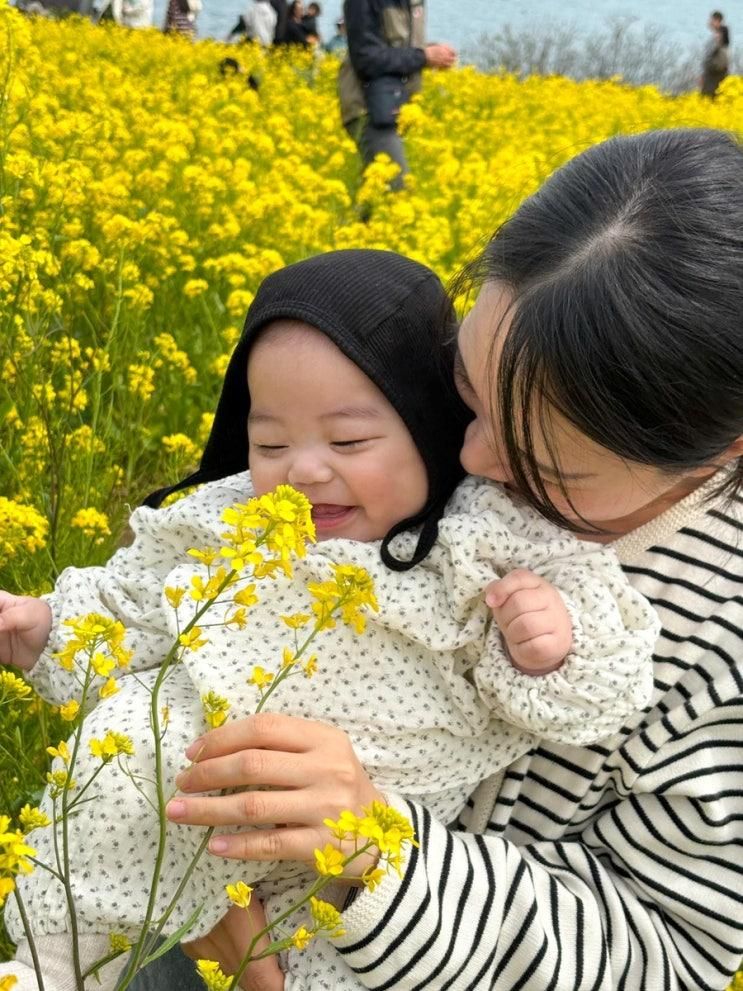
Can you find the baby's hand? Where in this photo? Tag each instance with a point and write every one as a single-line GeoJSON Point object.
{"type": "Point", "coordinates": [25, 624]}
{"type": "Point", "coordinates": [533, 619]}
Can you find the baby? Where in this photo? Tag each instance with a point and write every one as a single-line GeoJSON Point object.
{"type": "Point", "coordinates": [343, 381]}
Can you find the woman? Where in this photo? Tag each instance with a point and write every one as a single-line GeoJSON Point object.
{"type": "Point", "coordinates": [603, 361]}
{"type": "Point", "coordinates": [295, 32]}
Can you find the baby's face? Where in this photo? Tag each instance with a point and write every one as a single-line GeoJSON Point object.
{"type": "Point", "coordinates": [319, 424]}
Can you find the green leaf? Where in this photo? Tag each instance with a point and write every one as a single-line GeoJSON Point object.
{"type": "Point", "coordinates": [170, 942]}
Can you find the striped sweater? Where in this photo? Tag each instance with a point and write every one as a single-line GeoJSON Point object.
{"type": "Point", "coordinates": [608, 867]}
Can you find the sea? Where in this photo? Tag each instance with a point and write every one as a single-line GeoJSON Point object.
{"type": "Point", "coordinates": [463, 22]}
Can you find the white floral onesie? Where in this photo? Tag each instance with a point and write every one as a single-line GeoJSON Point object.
{"type": "Point", "coordinates": [426, 694]}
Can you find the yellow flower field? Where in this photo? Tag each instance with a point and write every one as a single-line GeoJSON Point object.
{"type": "Point", "coordinates": [142, 200]}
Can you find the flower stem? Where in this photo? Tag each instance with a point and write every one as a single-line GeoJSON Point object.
{"type": "Point", "coordinates": [144, 942]}
{"type": "Point", "coordinates": [30, 938]}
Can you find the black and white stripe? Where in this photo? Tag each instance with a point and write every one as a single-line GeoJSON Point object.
{"type": "Point", "coordinates": [614, 867]}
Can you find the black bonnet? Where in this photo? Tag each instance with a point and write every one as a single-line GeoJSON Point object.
{"type": "Point", "coordinates": [392, 318]}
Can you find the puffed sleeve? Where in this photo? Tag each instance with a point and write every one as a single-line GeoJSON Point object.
{"type": "Point", "coordinates": [607, 676]}
{"type": "Point", "coordinates": [130, 586]}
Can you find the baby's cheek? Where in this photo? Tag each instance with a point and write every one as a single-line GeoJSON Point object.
{"type": "Point", "coordinates": [265, 477]}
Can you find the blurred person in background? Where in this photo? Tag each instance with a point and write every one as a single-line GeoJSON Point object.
{"type": "Point", "coordinates": [127, 13]}
{"type": "Point", "coordinates": [282, 11]}
{"type": "Point", "coordinates": [295, 33]}
{"type": "Point", "coordinates": [180, 17]}
{"type": "Point", "coordinates": [338, 44]}
{"type": "Point", "coordinates": [716, 55]}
{"type": "Point", "coordinates": [309, 22]}
{"type": "Point", "coordinates": [386, 41]}
{"type": "Point", "coordinates": [257, 24]}
{"type": "Point", "coordinates": [137, 13]}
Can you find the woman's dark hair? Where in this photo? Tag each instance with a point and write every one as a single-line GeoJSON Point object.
{"type": "Point", "coordinates": [724, 35]}
{"type": "Point", "coordinates": [626, 275]}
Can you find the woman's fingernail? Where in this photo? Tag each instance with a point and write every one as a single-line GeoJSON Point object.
{"type": "Point", "coordinates": [195, 747]}
{"type": "Point", "coordinates": [175, 809]}
{"type": "Point", "coordinates": [218, 844]}
{"type": "Point", "coordinates": [179, 779]}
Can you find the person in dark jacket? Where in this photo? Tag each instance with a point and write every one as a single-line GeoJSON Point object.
{"type": "Point", "coordinates": [282, 10]}
{"type": "Point", "coordinates": [295, 33]}
{"type": "Point", "coordinates": [309, 22]}
{"type": "Point", "coordinates": [385, 38]}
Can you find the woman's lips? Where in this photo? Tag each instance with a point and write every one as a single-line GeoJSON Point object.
{"type": "Point", "coordinates": [328, 516]}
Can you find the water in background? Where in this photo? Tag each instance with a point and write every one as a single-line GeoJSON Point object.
{"type": "Point", "coordinates": [461, 22]}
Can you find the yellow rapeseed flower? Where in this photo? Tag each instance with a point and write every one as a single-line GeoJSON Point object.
{"type": "Point", "coordinates": [192, 640]}
{"type": "Point", "coordinates": [245, 596]}
{"type": "Point", "coordinates": [350, 590]}
{"type": "Point", "coordinates": [239, 894]}
{"type": "Point", "coordinates": [174, 595]}
{"type": "Point", "coordinates": [7, 887]}
{"type": "Point", "coordinates": [207, 555]}
{"type": "Point", "coordinates": [32, 818]}
{"type": "Point", "coordinates": [181, 446]}
{"type": "Point", "coordinates": [108, 688]}
{"type": "Point", "coordinates": [23, 529]}
{"type": "Point", "coordinates": [372, 876]}
{"type": "Point", "coordinates": [297, 620]}
{"type": "Point", "coordinates": [195, 287]}
{"type": "Point", "coordinates": [69, 710]}
{"type": "Point", "coordinates": [215, 709]}
{"type": "Point", "coordinates": [91, 634]}
{"type": "Point", "coordinates": [93, 523]}
{"type": "Point", "coordinates": [347, 826]}
{"type": "Point", "coordinates": [387, 828]}
{"type": "Point", "coordinates": [13, 688]}
{"type": "Point", "coordinates": [112, 745]}
{"type": "Point", "coordinates": [102, 664]}
{"type": "Point", "coordinates": [330, 861]}
{"type": "Point", "coordinates": [202, 591]}
{"type": "Point", "coordinates": [260, 678]}
{"type": "Point", "coordinates": [62, 751]}
{"type": "Point", "coordinates": [119, 942]}
{"type": "Point", "coordinates": [212, 976]}
{"type": "Point", "coordinates": [327, 918]}
{"type": "Point", "coordinates": [14, 851]}
{"type": "Point", "coordinates": [238, 618]}
{"type": "Point", "coordinates": [302, 938]}
{"type": "Point", "coordinates": [58, 781]}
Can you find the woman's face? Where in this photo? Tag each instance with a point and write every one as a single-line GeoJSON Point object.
{"type": "Point", "coordinates": [601, 487]}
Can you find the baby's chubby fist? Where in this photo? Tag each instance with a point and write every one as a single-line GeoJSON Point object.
{"type": "Point", "coordinates": [533, 620]}
{"type": "Point", "coordinates": [25, 625]}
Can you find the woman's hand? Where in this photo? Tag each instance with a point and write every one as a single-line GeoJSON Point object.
{"type": "Point", "coordinates": [228, 943]}
{"type": "Point", "coordinates": [311, 769]}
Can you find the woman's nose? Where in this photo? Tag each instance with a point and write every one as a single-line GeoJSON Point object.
{"type": "Point", "coordinates": [478, 456]}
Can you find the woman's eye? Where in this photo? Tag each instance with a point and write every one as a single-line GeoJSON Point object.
{"type": "Point", "coordinates": [269, 448]}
